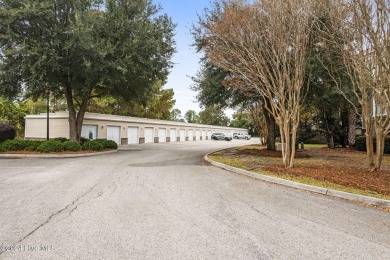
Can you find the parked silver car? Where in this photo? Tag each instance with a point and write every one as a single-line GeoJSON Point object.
{"type": "Point", "coordinates": [220, 136]}
{"type": "Point", "coordinates": [241, 136]}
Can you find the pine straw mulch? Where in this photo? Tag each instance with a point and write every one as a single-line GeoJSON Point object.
{"type": "Point", "coordinates": [342, 166]}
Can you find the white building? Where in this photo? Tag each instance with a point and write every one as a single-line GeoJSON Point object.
{"type": "Point", "coordinates": [123, 129]}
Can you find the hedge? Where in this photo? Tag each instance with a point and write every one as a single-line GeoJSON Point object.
{"type": "Point", "coordinates": [13, 145]}
{"type": "Point", "coordinates": [360, 144]}
{"type": "Point", "coordinates": [7, 132]}
{"type": "Point", "coordinates": [50, 146]}
{"type": "Point", "coordinates": [71, 146]}
{"type": "Point", "coordinates": [94, 145]}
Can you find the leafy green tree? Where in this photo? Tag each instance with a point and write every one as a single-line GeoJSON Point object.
{"type": "Point", "coordinates": [176, 115]}
{"type": "Point", "coordinates": [213, 116]}
{"type": "Point", "coordinates": [13, 114]}
{"type": "Point", "coordinates": [191, 116]}
{"type": "Point", "coordinates": [243, 120]}
{"type": "Point", "coordinates": [81, 50]}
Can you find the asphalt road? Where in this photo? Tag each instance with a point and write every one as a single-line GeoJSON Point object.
{"type": "Point", "coordinates": [162, 201]}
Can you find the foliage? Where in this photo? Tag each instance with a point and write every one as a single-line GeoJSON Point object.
{"type": "Point", "coordinates": [13, 145]}
{"type": "Point", "coordinates": [176, 115]}
{"type": "Point", "coordinates": [71, 146]}
{"type": "Point", "coordinates": [191, 116]}
{"type": "Point", "coordinates": [32, 145]}
{"type": "Point", "coordinates": [7, 132]}
{"type": "Point", "coordinates": [82, 50]}
{"type": "Point", "coordinates": [109, 144]}
{"type": "Point", "coordinates": [50, 146]}
{"type": "Point", "coordinates": [13, 113]}
{"type": "Point", "coordinates": [60, 139]}
{"type": "Point", "coordinates": [95, 145]}
{"type": "Point", "coordinates": [213, 116]}
{"type": "Point", "coordinates": [264, 45]}
{"type": "Point", "coordinates": [243, 120]}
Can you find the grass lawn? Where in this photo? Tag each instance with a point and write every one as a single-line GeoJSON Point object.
{"type": "Point", "coordinates": [342, 169]}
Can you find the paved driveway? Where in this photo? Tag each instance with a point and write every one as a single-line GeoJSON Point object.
{"type": "Point", "coordinates": [162, 201]}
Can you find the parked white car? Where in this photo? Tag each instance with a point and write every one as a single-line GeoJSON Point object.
{"type": "Point", "coordinates": [241, 136]}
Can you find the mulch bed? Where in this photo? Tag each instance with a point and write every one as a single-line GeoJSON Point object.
{"type": "Point", "coordinates": [343, 166]}
{"type": "Point", "coordinates": [347, 176]}
{"type": "Point", "coordinates": [268, 153]}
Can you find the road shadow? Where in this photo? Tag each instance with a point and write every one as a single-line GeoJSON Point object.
{"type": "Point", "coordinates": [195, 160]}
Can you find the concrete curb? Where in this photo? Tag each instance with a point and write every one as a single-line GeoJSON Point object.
{"type": "Point", "coordinates": [10, 156]}
{"type": "Point", "coordinates": [301, 186]}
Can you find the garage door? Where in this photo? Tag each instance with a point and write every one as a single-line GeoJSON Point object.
{"type": "Point", "coordinates": [149, 137]}
{"type": "Point", "coordinates": [89, 128]}
{"type": "Point", "coordinates": [203, 135]}
{"type": "Point", "coordinates": [191, 135]}
{"type": "Point", "coordinates": [209, 134]}
{"type": "Point", "coordinates": [132, 135]}
{"type": "Point", "coordinates": [172, 134]}
{"type": "Point", "coordinates": [162, 135]}
{"type": "Point", "coordinates": [114, 133]}
{"type": "Point", "coordinates": [197, 135]}
{"type": "Point", "coordinates": [182, 135]}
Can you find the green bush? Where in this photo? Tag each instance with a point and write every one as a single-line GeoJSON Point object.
{"type": "Point", "coordinates": [71, 146]}
{"type": "Point", "coordinates": [7, 132]}
{"type": "Point", "coordinates": [86, 145]}
{"type": "Point", "coordinates": [32, 145]}
{"type": "Point", "coordinates": [50, 146]}
{"type": "Point", "coordinates": [13, 145]}
{"type": "Point", "coordinates": [360, 143]}
{"type": "Point", "coordinates": [83, 140]}
{"type": "Point", "coordinates": [60, 139]}
{"type": "Point", "coordinates": [94, 145]}
{"type": "Point", "coordinates": [109, 144]}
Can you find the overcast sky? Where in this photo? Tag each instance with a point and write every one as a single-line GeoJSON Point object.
{"type": "Point", "coordinates": [186, 60]}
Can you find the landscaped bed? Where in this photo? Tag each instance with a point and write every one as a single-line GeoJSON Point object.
{"type": "Point", "coordinates": [56, 145]}
{"type": "Point", "coordinates": [342, 169]}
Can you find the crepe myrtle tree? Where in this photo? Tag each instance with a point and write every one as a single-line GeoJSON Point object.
{"type": "Point", "coordinates": [265, 45]}
{"type": "Point", "coordinates": [83, 49]}
{"type": "Point", "coordinates": [360, 29]}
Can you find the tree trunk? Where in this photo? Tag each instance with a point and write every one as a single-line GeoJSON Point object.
{"type": "Point", "coordinates": [271, 137]}
{"type": "Point", "coordinates": [75, 118]}
{"type": "Point", "coordinates": [330, 140]}
{"type": "Point", "coordinates": [352, 127]}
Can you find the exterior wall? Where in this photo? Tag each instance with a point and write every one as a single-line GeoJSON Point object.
{"type": "Point", "coordinates": [59, 126]}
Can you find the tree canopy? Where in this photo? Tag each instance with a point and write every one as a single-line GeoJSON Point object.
{"type": "Point", "coordinates": [83, 49]}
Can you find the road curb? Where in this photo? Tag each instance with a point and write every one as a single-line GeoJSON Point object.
{"type": "Point", "coordinates": [301, 186]}
{"type": "Point", "coordinates": [10, 155]}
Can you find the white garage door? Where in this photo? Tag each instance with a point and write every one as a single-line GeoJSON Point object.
{"type": "Point", "coordinates": [162, 135]}
{"type": "Point", "coordinates": [132, 135]}
{"type": "Point", "coordinates": [85, 129]}
{"type": "Point", "coordinates": [149, 137]}
{"type": "Point", "coordinates": [209, 134]}
{"type": "Point", "coordinates": [203, 135]}
{"type": "Point", "coordinates": [114, 133]}
{"type": "Point", "coordinates": [172, 134]}
{"type": "Point", "coordinates": [191, 135]}
{"type": "Point", "coordinates": [197, 135]}
{"type": "Point", "coordinates": [182, 135]}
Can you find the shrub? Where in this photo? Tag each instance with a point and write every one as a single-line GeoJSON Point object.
{"type": "Point", "coordinates": [71, 146]}
{"type": "Point", "coordinates": [86, 145]}
{"type": "Point", "coordinates": [50, 146]}
{"type": "Point", "coordinates": [94, 145]}
{"type": "Point", "coordinates": [83, 140]}
{"type": "Point", "coordinates": [360, 143]}
{"type": "Point", "coordinates": [13, 145]}
{"type": "Point", "coordinates": [109, 144]}
{"type": "Point", "coordinates": [32, 145]}
{"type": "Point", "coordinates": [60, 139]}
{"type": "Point", "coordinates": [7, 132]}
